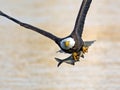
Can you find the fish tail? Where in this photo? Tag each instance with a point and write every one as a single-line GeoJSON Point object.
{"type": "Point", "coordinates": [82, 56]}
{"type": "Point", "coordinates": [59, 61]}
{"type": "Point", "coordinates": [89, 43]}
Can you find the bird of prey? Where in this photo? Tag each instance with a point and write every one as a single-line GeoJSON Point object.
{"type": "Point", "coordinates": [73, 43]}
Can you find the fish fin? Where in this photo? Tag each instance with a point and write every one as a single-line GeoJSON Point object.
{"type": "Point", "coordinates": [88, 43]}
{"type": "Point", "coordinates": [67, 60]}
{"type": "Point", "coordinates": [60, 51]}
{"type": "Point", "coordinates": [82, 56]}
{"type": "Point", "coordinates": [72, 62]}
{"type": "Point", "coordinates": [59, 61]}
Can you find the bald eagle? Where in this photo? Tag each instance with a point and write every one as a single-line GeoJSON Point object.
{"type": "Point", "coordinates": [73, 43]}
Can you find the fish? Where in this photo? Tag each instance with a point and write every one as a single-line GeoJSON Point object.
{"type": "Point", "coordinates": [88, 43]}
{"type": "Point", "coordinates": [70, 60]}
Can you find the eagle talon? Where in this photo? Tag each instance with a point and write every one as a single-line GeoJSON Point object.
{"type": "Point", "coordinates": [75, 56]}
{"type": "Point", "coordinates": [85, 49]}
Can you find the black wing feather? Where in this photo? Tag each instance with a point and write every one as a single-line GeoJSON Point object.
{"type": "Point", "coordinates": [79, 24]}
{"type": "Point", "coordinates": [47, 34]}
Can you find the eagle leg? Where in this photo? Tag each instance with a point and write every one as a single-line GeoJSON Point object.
{"type": "Point", "coordinates": [76, 56]}
{"type": "Point", "coordinates": [85, 49]}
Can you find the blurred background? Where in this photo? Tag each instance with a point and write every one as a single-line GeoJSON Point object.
{"type": "Point", "coordinates": [27, 58]}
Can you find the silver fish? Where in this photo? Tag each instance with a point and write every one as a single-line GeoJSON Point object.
{"type": "Point", "coordinates": [68, 60]}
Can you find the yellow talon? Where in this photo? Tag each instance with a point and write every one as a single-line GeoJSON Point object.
{"type": "Point", "coordinates": [75, 56]}
{"type": "Point", "coordinates": [84, 49]}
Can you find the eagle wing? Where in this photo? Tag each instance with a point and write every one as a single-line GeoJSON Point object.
{"type": "Point", "coordinates": [45, 33]}
{"type": "Point", "coordinates": [79, 24]}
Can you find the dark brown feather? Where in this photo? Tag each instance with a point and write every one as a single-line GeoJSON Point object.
{"type": "Point", "coordinates": [79, 24]}
{"type": "Point", "coordinates": [45, 33]}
